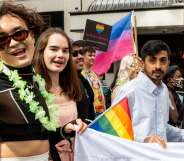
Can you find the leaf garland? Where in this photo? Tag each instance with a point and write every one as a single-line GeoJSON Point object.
{"type": "Point", "coordinates": [28, 96]}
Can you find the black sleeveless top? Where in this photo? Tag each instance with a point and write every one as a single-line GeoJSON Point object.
{"type": "Point", "coordinates": [17, 123]}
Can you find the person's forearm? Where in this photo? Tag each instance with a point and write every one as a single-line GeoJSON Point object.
{"type": "Point", "coordinates": [174, 134]}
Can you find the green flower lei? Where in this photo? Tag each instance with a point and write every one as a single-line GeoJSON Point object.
{"type": "Point", "coordinates": [26, 95]}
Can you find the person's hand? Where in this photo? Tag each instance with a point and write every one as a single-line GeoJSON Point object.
{"type": "Point", "coordinates": [170, 83]}
{"type": "Point", "coordinates": [79, 126]}
{"type": "Point", "coordinates": [155, 139]}
{"type": "Point", "coordinates": [63, 145]}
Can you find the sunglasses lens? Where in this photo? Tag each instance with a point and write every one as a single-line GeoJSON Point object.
{"type": "Point", "coordinates": [80, 51]}
{"type": "Point", "coordinates": [20, 35]}
{"type": "Point", "coordinates": [4, 41]}
{"type": "Point", "coordinates": [17, 36]}
{"type": "Point", "coordinates": [75, 53]}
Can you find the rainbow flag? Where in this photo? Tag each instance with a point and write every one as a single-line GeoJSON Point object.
{"type": "Point", "coordinates": [120, 44]}
{"type": "Point", "coordinates": [115, 121]}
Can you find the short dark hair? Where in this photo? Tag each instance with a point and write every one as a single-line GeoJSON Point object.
{"type": "Point", "coordinates": [88, 49]}
{"type": "Point", "coordinates": [80, 43]}
{"type": "Point", "coordinates": [33, 20]}
{"type": "Point", "coordinates": [153, 47]}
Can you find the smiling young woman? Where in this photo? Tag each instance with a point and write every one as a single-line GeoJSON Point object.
{"type": "Point", "coordinates": [53, 60]}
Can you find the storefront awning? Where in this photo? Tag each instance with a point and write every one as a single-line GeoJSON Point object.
{"type": "Point", "coordinates": [106, 5]}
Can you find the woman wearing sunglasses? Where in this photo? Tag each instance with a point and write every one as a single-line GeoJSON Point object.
{"type": "Point", "coordinates": [25, 112]}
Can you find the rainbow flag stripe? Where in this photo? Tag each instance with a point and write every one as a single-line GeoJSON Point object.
{"type": "Point", "coordinates": [115, 121]}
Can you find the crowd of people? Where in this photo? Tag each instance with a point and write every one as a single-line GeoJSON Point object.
{"type": "Point", "coordinates": [49, 91]}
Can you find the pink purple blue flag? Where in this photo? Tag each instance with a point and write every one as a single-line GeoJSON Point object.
{"type": "Point", "coordinates": [120, 45]}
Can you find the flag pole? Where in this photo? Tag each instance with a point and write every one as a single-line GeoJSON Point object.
{"type": "Point", "coordinates": [134, 34]}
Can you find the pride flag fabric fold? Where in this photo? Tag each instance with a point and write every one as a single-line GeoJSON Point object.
{"type": "Point", "coordinates": [115, 121]}
{"type": "Point", "coordinates": [96, 146]}
{"type": "Point", "coordinates": [120, 44]}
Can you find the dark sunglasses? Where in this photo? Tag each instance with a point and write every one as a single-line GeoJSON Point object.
{"type": "Point", "coordinates": [19, 35]}
{"type": "Point", "coordinates": [75, 53]}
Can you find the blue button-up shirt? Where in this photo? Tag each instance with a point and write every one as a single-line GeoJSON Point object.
{"type": "Point", "coordinates": [149, 108]}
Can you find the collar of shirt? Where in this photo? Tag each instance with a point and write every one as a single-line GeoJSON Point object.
{"type": "Point", "coordinates": [148, 84]}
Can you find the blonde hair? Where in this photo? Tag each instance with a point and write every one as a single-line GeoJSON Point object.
{"type": "Point", "coordinates": [129, 62]}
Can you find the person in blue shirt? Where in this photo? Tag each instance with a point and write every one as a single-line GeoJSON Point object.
{"type": "Point", "coordinates": [149, 98]}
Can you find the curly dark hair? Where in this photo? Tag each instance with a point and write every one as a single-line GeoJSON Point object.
{"type": "Point", "coordinates": [33, 20]}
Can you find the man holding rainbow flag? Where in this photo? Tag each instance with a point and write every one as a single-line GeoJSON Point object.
{"type": "Point", "coordinates": [146, 92]}
{"type": "Point", "coordinates": [139, 113]}
{"type": "Point", "coordinates": [148, 97]}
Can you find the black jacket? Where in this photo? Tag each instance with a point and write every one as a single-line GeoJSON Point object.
{"type": "Point", "coordinates": [85, 106]}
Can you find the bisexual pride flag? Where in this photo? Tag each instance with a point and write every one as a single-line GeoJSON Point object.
{"type": "Point", "coordinates": [120, 45]}
{"type": "Point", "coordinates": [115, 121]}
